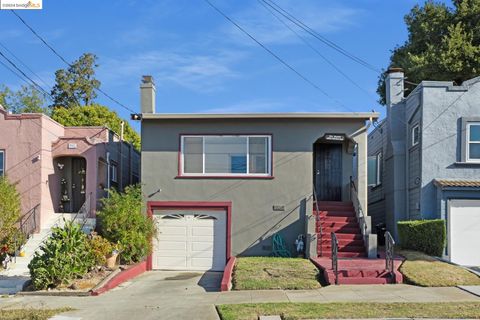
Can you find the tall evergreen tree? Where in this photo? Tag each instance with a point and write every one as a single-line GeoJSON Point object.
{"type": "Point", "coordinates": [76, 84]}
{"type": "Point", "coordinates": [443, 44]}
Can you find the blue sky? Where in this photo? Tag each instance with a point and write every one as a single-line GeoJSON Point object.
{"type": "Point", "coordinates": [202, 63]}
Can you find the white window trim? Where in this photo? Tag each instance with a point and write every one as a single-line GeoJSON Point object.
{"type": "Point", "coordinates": [468, 142]}
{"type": "Point", "coordinates": [268, 159]}
{"type": "Point", "coordinates": [2, 169]}
{"type": "Point", "coordinates": [113, 172]}
{"type": "Point", "coordinates": [415, 127]}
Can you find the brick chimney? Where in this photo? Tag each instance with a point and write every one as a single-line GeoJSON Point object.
{"type": "Point", "coordinates": [147, 95]}
{"type": "Point", "coordinates": [394, 86]}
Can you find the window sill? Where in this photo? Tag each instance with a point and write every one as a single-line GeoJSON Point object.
{"type": "Point", "coordinates": [467, 164]}
{"type": "Point", "coordinates": [226, 177]}
{"type": "Point", "coordinates": [374, 187]}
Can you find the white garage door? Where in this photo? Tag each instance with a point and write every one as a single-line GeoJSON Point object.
{"type": "Point", "coordinates": [190, 240]}
{"type": "Point", "coordinates": [464, 232]}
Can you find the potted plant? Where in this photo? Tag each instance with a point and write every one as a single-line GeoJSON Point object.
{"type": "Point", "coordinates": [111, 260]}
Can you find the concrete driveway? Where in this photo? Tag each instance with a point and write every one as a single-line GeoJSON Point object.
{"type": "Point", "coordinates": [153, 295]}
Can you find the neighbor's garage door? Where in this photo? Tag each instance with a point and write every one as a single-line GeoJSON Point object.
{"type": "Point", "coordinates": [190, 240]}
{"type": "Point", "coordinates": [464, 232]}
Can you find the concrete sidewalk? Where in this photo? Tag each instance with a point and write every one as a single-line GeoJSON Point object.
{"type": "Point", "coordinates": [351, 293]}
{"type": "Point", "coordinates": [175, 295]}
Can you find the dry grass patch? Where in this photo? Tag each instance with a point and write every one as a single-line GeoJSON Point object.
{"type": "Point", "coordinates": [30, 314]}
{"type": "Point", "coordinates": [423, 270]}
{"type": "Point", "coordinates": [294, 311]}
{"type": "Point", "coordinates": [262, 273]}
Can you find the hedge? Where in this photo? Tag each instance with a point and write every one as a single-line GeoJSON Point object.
{"type": "Point", "coordinates": [428, 236]}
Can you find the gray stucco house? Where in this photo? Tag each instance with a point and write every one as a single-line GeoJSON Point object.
{"type": "Point", "coordinates": [424, 160]}
{"type": "Point", "coordinates": [221, 185]}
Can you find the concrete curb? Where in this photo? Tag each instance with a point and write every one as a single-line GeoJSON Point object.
{"type": "Point", "coordinates": [226, 284]}
{"type": "Point", "coordinates": [120, 277]}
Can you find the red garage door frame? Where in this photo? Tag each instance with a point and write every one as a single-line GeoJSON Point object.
{"type": "Point", "coordinates": [193, 205]}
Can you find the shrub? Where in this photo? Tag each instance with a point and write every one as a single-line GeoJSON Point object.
{"type": "Point", "coordinates": [427, 236]}
{"type": "Point", "coordinates": [64, 256]}
{"type": "Point", "coordinates": [9, 212]}
{"type": "Point", "coordinates": [101, 248]}
{"type": "Point", "coordinates": [123, 222]}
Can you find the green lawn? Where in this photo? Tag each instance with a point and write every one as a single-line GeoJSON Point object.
{"type": "Point", "coordinates": [30, 314]}
{"type": "Point", "coordinates": [291, 311]}
{"type": "Point", "coordinates": [259, 273]}
{"type": "Point", "coordinates": [423, 270]}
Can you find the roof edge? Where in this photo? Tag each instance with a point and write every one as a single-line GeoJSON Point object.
{"type": "Point", "coordinates": [287, 115]}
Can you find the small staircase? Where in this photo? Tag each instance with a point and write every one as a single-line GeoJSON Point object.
{"type": "Point", "coordinates": [353, 265]}
{"type": "Point", "coordinates": [339, 218]}
{"type": "Point", "coordinates": [17, 275]}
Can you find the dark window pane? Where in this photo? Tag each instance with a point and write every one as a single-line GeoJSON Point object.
{"type": "Point", "coordinates": [475, 132]}
{"type": "Point", "coordinates": [474, 152]}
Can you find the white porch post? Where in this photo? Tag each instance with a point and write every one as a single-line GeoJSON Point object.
{"type": "Point", "coordinates": [361, 178]}
{"type": "Point", "coordinates": [361, 182]}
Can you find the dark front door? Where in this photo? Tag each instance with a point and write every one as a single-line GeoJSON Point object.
{"type": "Point", "coordinates": [78, 183]}
{"type": "Point", "coordinates": [328, 171]}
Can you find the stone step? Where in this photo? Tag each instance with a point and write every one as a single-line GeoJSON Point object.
{"type": "Point", "coordinates": [340, 230]}
{"type": "Point", "coordinates": [345, 254]}
{"type": "Point", "coordinates": [337, 219]}
{"type": "Point", "coordinates": [12, 284]}
{"type": "Point", "coordinates": [335, 208]}
{"type": "Point", "coordinates": [335, 203]}
{"type": "Point", "coordinates": [363, 280]}
{"type": "Point", "coordinates": [344, 248]}
{"type": "Point", "coordinates": [339, 224]}
{"type": "Point", "coordinates": [341, 242]}
{"type": "Point", "coordinates": [336, 213]}
{"type": "Point", "coordinates": [342, 236]}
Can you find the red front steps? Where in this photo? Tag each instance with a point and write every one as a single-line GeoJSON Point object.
{"type": "Point", "coordinates": [358, 271]}
{"type": "Point", "coordinates": [353, 265]}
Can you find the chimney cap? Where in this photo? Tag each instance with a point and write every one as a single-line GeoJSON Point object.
{"type": "Point", "coordinates": [394, 69]}
{"type": "Point", "coordinates": [147, 79]}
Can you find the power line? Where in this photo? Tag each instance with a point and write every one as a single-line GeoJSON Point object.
{"type": "Point", "coordinates": [319, 37]}
{"type": "Point", "coordinates": [316, 51]}
{"type": "Point", "coordinates": [14, 72]}
{"type": "Point", "coordinates": [65, 61]}
{"type": "Point", "coordinates": [24, 64]}
{"type": "Point", "coordinates": [25, 75]}
{"type": "Point", "coordinates": [39, 37]}
{"type": "Point", "coordinates": [277, 57]}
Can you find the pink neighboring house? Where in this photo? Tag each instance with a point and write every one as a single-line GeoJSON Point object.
{"type": "Point", "coordinates": [55, 168]}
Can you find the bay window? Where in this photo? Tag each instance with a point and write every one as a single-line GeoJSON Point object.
{"type": "Point", "coordinates": [225, 155]}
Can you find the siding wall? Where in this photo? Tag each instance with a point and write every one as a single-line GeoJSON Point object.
{"type": "Point", "coordinates": [444, 107]}
{"type": "Point", "coordinates": [413, 117]}
{"type": "Point", "coordinates": [377, 141]}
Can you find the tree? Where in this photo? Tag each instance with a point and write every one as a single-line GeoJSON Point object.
{"type": "Point", "coordinates": [95, 115]}
{"type": "Point", "coordinates": [9, 212]}
{"type": "Point", "coordinates": [26, 99]}
{"type": "Point", "coordinates": [123, 222]}
{"type": "Point", "coordinates": [76, 84]}
{"type": "Point", "coordinates": [443, 44]}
